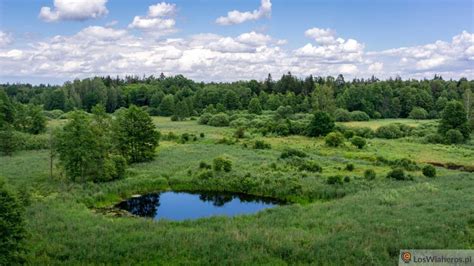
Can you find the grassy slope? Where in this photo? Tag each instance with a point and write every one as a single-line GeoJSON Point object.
{"type": "Point", "coordinates": [368, 226]}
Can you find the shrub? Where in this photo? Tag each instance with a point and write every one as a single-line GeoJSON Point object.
{"type": "Point", "coordinates": [321, 124]}
{"type": "Point", "coordinates": [365, 132]}
{"type": "Point", "coordinates": [454, 117]}
{"type": "Point", "coordinates": [290, 152]}
{"type": "Point", "coordinates": [261, 145]}
{"type": "Point", "coordinates": [12, 227]}
{"type": "Point", "coordinates": [348, 133]}
{"type": "Point", "coordinates": [239, 122]}
{"type": "Point", "coordinates": [202, 135]}
{"type": "Point", "coordinates": [310, 166]}
{"type": "Point", "coordinates": [350, 167]}
{"type": "Point", "coordinates": [369, 174]}
{"type": "Point", "coordinates": [239, 133]}
{"type": "Point", "coordinates": [397, 174]}
{"type": "Point", "coordinates": [204, 165]}
{"type": "Point", "coordinates": [281, 129]}
{"type": "Point", "coordinates": [335, 179]}
{"type": "Point", "coordinates": [418, 113]}
{"type": "Point", "coordinates": [454, 136]}
{"type": "Point", "coordinates": [334, 139]}
{"type": "Point", "coordinates": [358, 142]}
{"type": "Point", "coordinates": [204, 119]}
{"type": "Point", "coordinates": [391, 131]}
{"type": "Point", "coordinates": [219, 120]}
{"type": "Point", "coordinates": [254, 106]}
{"type": "Point", "coordinates": [53, 114]}
{"type": "Point", "coordinates": [221, 163]}
{"type": "Point", "coordinates": [405, 163]}
{"type": "Point", "coordinates": [359, 116]}
{"type": "Point", "coordinates": [206, 174]}
{"type": "Point", "coordinates": [347, 179]}
{"type": "Point", "coordinates": [429, 171]}
{"type": "Point", "coordinates": [434, 138]}
{"type": "Point", "coordinates": [342, 115]}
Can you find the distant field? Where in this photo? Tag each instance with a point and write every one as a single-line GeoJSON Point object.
{"type": "Point", "coordinates": [374, 124]}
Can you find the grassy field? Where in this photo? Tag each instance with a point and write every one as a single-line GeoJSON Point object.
{"type": "Point", "coordinates": [376, 123]}
{"type": "Point", "coordinates": [361, 222]}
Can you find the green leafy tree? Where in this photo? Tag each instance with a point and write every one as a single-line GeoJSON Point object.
{"type": "Point", "coordinates": [9, 141]}
{"type": "Point", "coordinates": [255, 106]}
{"type": "Point", "coordinates": [135, 135]}
{"type": "Point", "coordinates": [7, 110]}
{"type": "Point", "coordinates": [167, 105]}
{"type": "Point", "coordinates": [321, 124]}
{"type": "Point", "coordinates": [12, 227]}
{"type": "Point", "coordinates": [454, 117]}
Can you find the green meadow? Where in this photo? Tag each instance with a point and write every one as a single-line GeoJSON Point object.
{"type": "Point", "coordinates": [360, 221]}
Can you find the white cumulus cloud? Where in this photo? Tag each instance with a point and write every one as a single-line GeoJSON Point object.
{"type": "Point", "coordinates": [5, 38]}
{"type": "Point", "coordinates": [74, 10]}
{"type": "Point", "coordinates": [238, 17]}
{"type": "Point", "coordinates": [159, 20]}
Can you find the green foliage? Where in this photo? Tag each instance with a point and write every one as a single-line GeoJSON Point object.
{"type": "Point", "coordinates": [454, 136]}
{"type": "Point", "coordinates": [321, 124]}
{"type": "Point", "coordinates": [429, 171]}
{"type": "Point", "coordinates": [334, 139]}
{"type": "Point", "coordinates": [310, 166]}
{"type": "Point", "coordinates": [204, 118]}
{"type": "Point", "coordinates": [239, 133]}
{"type": "Point", "coordinates": [9, 142]}
{"type": "Point", "coordinates": [370, 174]}
{"type": "Point", "coordinates": [397, 174]}
{"type": "Point", "coordinates": [335, 180]}
{"type": "Point", "coordinates": [167, 106]}
{"type": "Point", "coordinates": [261, 145]}
{"type": "Point", "coordinates": [255, 106]}
{"type": "Point", "coordinates": [30, 119]}
{"type": "Point", "coordinates": [364, 132]}
{"type": "Point", "coordinates": [342, 115]}
{"type": "Point", "coordinates": [204, 165]}
{"type": "Point", "coordinates": [290, 152]}
{"type": "Point", "coordinates": [358, 142]}
{"type": "Point", "coordinates": [85, 148]}
{"type": "Point", "coordinates": [350, 167]}
{"type": "Point", "coordinates": [454, 117]}
{"type": "Point", "coordinates": [12, 227]}
{"type": "Point", "coordinates": [390, 131]}
{"type": "Point", "coordinates": [418, 113]}
{"type": "Point", "coordinates": [359, 116]}
{"type": "Point", "coordinates": [222, 163]}
{"type": "Point", "coordinates": [219, 120]}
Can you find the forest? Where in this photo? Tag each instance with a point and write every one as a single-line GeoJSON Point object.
{"type": "Point", "coordinates": [349, 159]}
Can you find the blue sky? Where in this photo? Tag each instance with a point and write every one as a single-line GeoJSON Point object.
{"type": "Point", "coordinates": [379, 30]}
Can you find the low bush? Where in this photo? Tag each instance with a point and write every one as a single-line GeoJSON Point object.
{"type": "Point", "coordinates": [334, 139]}
{"type": "Point", "coordinates": [310, 166]}
{"type": "Point", "coordinates": [53, 114]}
{"type": "Point", "coordinates": [365, 132]}
{"type": "Point", "coordinates": [391, 131]}
{"type": "Point", "coordinates": [369, 174]}
{"type": "Point", "coordinates": [418, 113]}
{"type": "Point", "coordinates": [358, 142]}
{"type": "Point", "coordinates": [454, 136]}
{"type": "Point", "coordinates": [261, 145]}
{"type": "Point", "coordinates": [342, 115]}
{"type": "Point", "coordinates": [221, 163]}
{"type": "Point", "coordinates": [429, 171]}
{"type": "Point", "coordinates": [359, 116]}
{"type": "Point", "coordinates": [397, 174]}
{"type": "Point", "coordinates": [239, 133]}
{"type": "Point", "coordinates": [348, 133]}
{"type": "Point", "coordinates": [204, 118]}
{"type": "Point", "coordinates": [219, 120]}
{"type": "Point", "coordinates": [350, 167]}
{"type": "Point", "coordinates": [289, 152]}
{"type": "Point", "coordinates": [335, 179]}
{"type": "Point", "coordinates": [204, 165]}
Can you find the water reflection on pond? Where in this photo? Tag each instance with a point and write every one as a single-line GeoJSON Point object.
{"type": "Point", "coordinates": [192, 205]}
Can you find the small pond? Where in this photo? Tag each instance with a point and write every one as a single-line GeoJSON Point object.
{"type": "Point", "coordinates": [179, 206]}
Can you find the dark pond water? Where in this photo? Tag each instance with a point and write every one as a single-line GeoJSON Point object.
{"type": "Point", "coordinates": [192, 205]}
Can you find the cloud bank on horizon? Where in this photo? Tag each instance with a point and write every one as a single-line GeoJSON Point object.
{"type": "Point", "coordinates": [145, 47]}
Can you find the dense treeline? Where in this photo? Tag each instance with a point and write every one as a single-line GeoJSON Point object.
{"type": "Point", "coordinates": [180, 97]}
